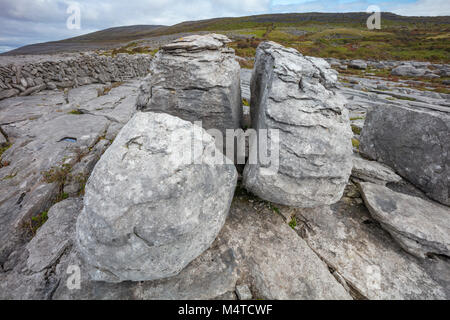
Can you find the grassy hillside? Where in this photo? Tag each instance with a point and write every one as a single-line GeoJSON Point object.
{"type": "Point", "coordinates": [338, 35]}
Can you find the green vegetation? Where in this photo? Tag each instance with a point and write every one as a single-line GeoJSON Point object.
{"type": "Point", "coordinates": [245, 102]}
{"type": "Point", "coordinates": [273, 208]}
{"type": "Point", "coordinates": [405, 98]}
{"type": "Point", "coordinates": [57, 174]}
{"type": "Point", "coordinates": [75, 112]}
{"type": "Point", "coordinates": [338, 35]}
{"type": "Point", "coordinates": [355, 143]}
{"type": "Point", "coordinates": [356, 130]}
{"type": "Point", "coordinates": [37, 222]}
{"type": "Point", "coordinates": [4, 148]}
{"type": "Point", "coordinates": [397, 40]}
{"type": "Point", "coordinates": [293, 222]}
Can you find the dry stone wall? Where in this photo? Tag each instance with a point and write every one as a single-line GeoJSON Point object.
{"type": "Point", "coordinates": [22, 76]}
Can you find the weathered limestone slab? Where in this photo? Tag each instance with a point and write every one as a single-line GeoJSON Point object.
{"type": "Point", "coordinates": [372, 171]}
{"type": "Point", "coordinates": [420, 227]}
{"type": "Point", "coordinates": [414, 142]}
{"type": "Point", "coordinates": [195, 78]}
{"type": "Point", "coordinates": [148, 212]}
{"type": "Point", "coordinates": [294, 95]}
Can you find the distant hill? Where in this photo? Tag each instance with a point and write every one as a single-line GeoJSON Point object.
{"type": "Point", "coordinates": [126, 33]}
{"type": "Point", "coordinates": [312, 22]}
{"type": "Point", "coordinates": [103, 39]}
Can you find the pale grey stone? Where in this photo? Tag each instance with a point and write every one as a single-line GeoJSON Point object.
{"type": "Point", "coordinates": [8, 93]}
{"type": "Point", "coordinates": [358, 64]}
{"type": "Point", "coordinates": [133, 227]}
{"type": "Point", "coordinates": [372, 171]}
{"type": "Point", "coordinates": [195, 78]}
{"type": "Point", "coordinates": [273, 260]}
{"type": "Point", "coordinates": [246, 76]}
{"type": "Point", "coordinates": [408, 70]}
{"type": "Point", "coordinates": [421, 227]}
{"type": "Point", "coordinates": [3, 140]}
{"type": "Point", "coordinates": [294, 94]}
{"type": "Point", "coordinates": [44, 258]}
{"type": "Point", "coordinates": [255, 247]}
{"type": "Point", "coordinates": [55, 236]}
{"type": "Point", "coordinates": [372, 264]}
{"type": "Point", "coordinates": [44, 136]}
{"type": "Point", "coordinates": [415, 142]}
{"type": "Point", "coordinates": [34, 89]}
{"type": "Point", "coordinates": [37, 147]}
{"type": "Point", "coordinates": [243, 292]}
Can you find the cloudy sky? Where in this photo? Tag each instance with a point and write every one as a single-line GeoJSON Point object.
{"type": "Point", "coordinates": [30, 21]}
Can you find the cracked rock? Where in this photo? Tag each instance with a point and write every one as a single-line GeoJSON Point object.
{"type": "Point", "coordinates": [148, 211]}
{"type": "Point", "coordinates": [372, 171]}
{"type": "Point", "coordinates": [421, 227]}
{"type": "Point", "coordinates": [243, 292]}
{"type": "Point", "coordinates": [195, 78]}
{"type": "Point", "coordinates": [415, 142]}
{"type": "Point", "coordinates": [373, 265]}
{"type": "Point", "coordinates": [294, 95]}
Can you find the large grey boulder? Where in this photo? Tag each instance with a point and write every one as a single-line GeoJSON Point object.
{"type": "Point", "coordinates": [195, 78]}
{"type": "Point", "coordinates": [414, 142]}
{"type": "Point", "coordinates": [420, 226]}
{"type": "Point", "coordinates": [148, 210]}
{"type": "Point", "coordinates": [293, 94]}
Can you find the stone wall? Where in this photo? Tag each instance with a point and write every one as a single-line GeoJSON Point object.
{"type": "Point", "coordinates": [22, 76]}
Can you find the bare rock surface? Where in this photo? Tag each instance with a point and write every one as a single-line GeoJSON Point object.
{"type": "Point", "coordinates": [148, 211]}
{"type": "Point", "coordinates": [294, 94]}
{"type": "Point", "coordinates": [3, 139]}
{"type": "Point", "coordinates": [195, 78]}
{"type": "Point", "coordinates": [246, 77]}
{"type": "Point", "coordinates": [52, 144]}
{"type": "Point", "coordinates": [421, 227]}
{"type": "Point", "coordinates": [372, 171]}
{"type": "Point", "coordinates": [255, 247]}
{"type": "Point", "coordinates": [365, 257]}
{"type": "Point", "coordinates": [408, 70]}
{"type": "Point", "coordinates": [414, 142]}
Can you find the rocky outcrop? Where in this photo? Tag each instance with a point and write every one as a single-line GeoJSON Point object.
{"type": "Point", "coordinates": [133, 226]}
{"type": "Point", "coordinates": [195, 78]}
{"type": "Point", "coordinates": [256, 254]}
{"type": "Point", "coordinates": [415, 142]}
{"type": "Point", "coordinates": [24, 75]}
{"type": "Point", "coordinates": [293, 94]}
{"type": "Point", "coordinates": [407, 70]}
{"type": "Point", "coordinates": [421, 227]}
{"type": "Point", "coordinates": [365, 258]}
